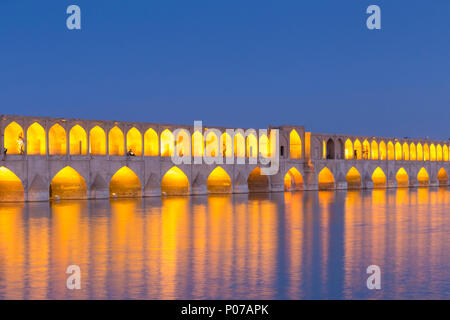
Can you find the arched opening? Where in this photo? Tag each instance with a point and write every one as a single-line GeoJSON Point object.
{"type": "Point", "coordinates": [405, 152]}
{"type": "Point", "coordinates": [419, 152]}
{"type": "Point", "coordinates": [432, 152]}
{"type": "Point", "coordinates": [57, 140]}
{"type": "Point", "coordinates": [227, 145]}
{"type": "Point", "coordinates": [379, 178]}
{"type": "Point", "coordinates": [116, 142]}
{"type": "Point", "coordinates": [264, 146]}
{"type": "Point", "coordinates": [151, 145]}
{"type": "Point", "coordinates": [14, 139]}
{"type": "Point", "coordinates": [183, 143]}
{"type": "Point", "coordinates": [175, 182]}
{"type": "Point", "coordinates": [391, 151]}
{"type": "Point", "coordinates": [212, 144]}
{"type": "Point", "coordinates": [239, 145]}
{"type": "Point", "coordinates": [326, 179]}
{"type": "Point", "coordinates": [426, 152]}
{"type": "Point", "coordinates": [134, 141]}
{"type": "Point", "coordinates": [383, 151]}
{"type": "Point", "coordinates": [295, 145]}
{"type": "Point", "coordinates": [11, 187]}
{"type": "Point", "coordinates": [366, 150]}
{"type": "Point", "coordinates": [68, 184]}
{"type": "Point", "coordinates": [439, 155]}
{"type": "Point", "coordinates": [252, 146]}
{"type": "Point", "coordinates": [353, 179]}
{"type": "Point", "coordinates": [167, 143]}
{"type": "Point", "coordinates": [442, 177]}
{"type": "Point", "coordinates": [293, 180]}
{"type": "Point", "coordinates": [125, 183]}
{"type": "Point", "coordinates": [348, 149]}
{"type": "Point", "coordinates": [330, 149]}
{"type": "Point", "coordinates": [357, 150]}
{"type": "Point", "coordinates": [77, 140]}
{"type": "Point", "coordinates": [340, 152]}
{"type": "Point", "coordinates": [398, 152]}
{"type": "Point", "coordinates": [257, 182]}
{"type": "Point", "coordinates": [445, 152]}
{"type": "Point", "coordinates": [402, 178]}
{"type": "Point", "coordinates": [36, 140]}
{"type": "Point", "coordinates": [97, 141]}
{"type": "Point", "coordinates": [219, 181]}
{"type": "Point", "coordinates": [423, 178]}
{"type": "Point", "coordinates": [374, 148]}
{"type": "Point", "coordinates": [412, 152]}
{"type": "Point", "coordinates": [197, 144]}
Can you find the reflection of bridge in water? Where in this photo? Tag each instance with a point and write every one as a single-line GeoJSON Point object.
{"type": "Point", "coordinates": [77, 159]}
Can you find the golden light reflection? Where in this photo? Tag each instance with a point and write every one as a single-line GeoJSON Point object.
{"type": "Point", "coordinates": [219, 181]}
{"type": "Point", "coordinates": [11, 187]}
{"type": "Point", "coordinates": [125, 183]}
{"type": "Point", "coordinates": [175, 182]}
{"type": "Point", "coordinates": [68, 184]}
{"type": "Point", "coordinates": [402, 178]}
{"type": "Point", "coordinates": [423, 177]}
{"type": "Point", "coordinates": [379, 178]}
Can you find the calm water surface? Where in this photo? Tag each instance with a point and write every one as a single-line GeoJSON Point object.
{"type": "Point", "coordinates": [306, 245]}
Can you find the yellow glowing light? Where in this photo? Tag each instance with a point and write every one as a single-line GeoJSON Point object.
{"type": "Point", "coordinates": [398, 152]}
{"type": "Point", "coordinates": [36, 142]}
{"type": "Point", "coordinates": [445, 152]}
{"type": "Point", "coordinates": [442, 177]}
{"type": "Point", "coordinates": [383, 153]}
{"type": "Point", "coordinates": [175, 182]}
{"type": "Point", "coordinates": [97, 141]}
{"type": "Point", "coordinates": [57, 140]}
{"type": "Point", "coordinates": [252, 146]}
{"type": "Point", "coordinates": [358, 149]}
{"type": "Point", "coordinates": [293, 180]}
{"type": "Point", "coordinates": [125, 183]}
{"type": "Point", "coordinates": [219, 181]}
{"type": "Point", "coordinates": [366, 150]}
{"type": "Point", "coordinates": [212, 144]}
{"type": "Point", "coordinates": [295, 145]}
{"type": "Point", "coordinates": [197, 144]}
{"type": "Point", "coordinates": [432, 152]}
{"type": "Point", "coordinates": [353, 179]}
{"type": "Point", "coordinates": [413, 152]}
{"type": "Point", "coordinates": [379, 178]}
{"type": "Point", "coordinates": [151, 145]}
{"type": "Point", "coordinates": [257, 182]}
{"type": "Point", "coordinates": [426, 152]}
{"type": "Point", "coordinates": [227, 145]}
{"type": "Point", "coordinates": [116, 142]}
{"type": "Point", "coordinates": [14, 138]}
{"type": "Point", "coordinates": [423, 177]}
{"type": "Point", "coordinates": [402, 178]}
{"type": "Point", "coordinates": [391, 151]}
{"type": "Point", "coordinates": [374, 148]}
{"type": "Point", "coordinates": [167, 143]}
{"type": "Point", "coordinates": [183, 144]}
{"type": "Point", "coordinates": [439, 155]}
{"type": "Point", "coordinates": [264, 146]}
{"type": "Point", "coordinates": [326, 179]}
{"type": "Point", "coordinates": [134, 141]}
{"type": "Point", "coordinates": [11, 187]}
{"type": "Point", "coordinates": [68, 184]}
{"type": "Point", "coordinates": [405, 152]}
{"type": "Point", "coordinates": [78, 140]}
{"type": "Point", "coordinates": [419, 152]}
{"type": "Point", "coordinates": [348, 149]}
{"type": "Point", "coordinates": [239, 145]}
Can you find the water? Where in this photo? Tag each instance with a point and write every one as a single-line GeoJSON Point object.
{"type": "Point", "coordinates": [306, 245]}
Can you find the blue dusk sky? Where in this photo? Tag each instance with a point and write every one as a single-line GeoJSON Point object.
{"type": "Point", "coordinates": [236, 63]}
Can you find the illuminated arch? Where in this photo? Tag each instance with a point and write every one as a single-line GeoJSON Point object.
{"type": "Point", "coordinates": [326, 179]}
{"type": "Point", "coordinates": [348, 149]}
{"type": "Point", "coordinates": [151, 145]}
{"type": "Point", "coordinates": [134, 141]}
{"type": "Point", "coordinates": [379, 178]}
{"type": "Point", "coordinates": [405, 152]}
{"type": "Point", "coordinates": [227, 145]}
{"type": "Point", "coordinates": [77, 140]}
{"type": "Point", "coordinates": [239, 145]}
{"type": "Point", "coordinates": [36, 141]}
{"type": "Point", "coordinates": [439, 155]}
{"type": "Point", "coordinates": [432, 152]}
{"type": "Point", "coordinates": [264, 146]}
{"type": "Point", "coordinates": [175, 182]}
{"type": "Point", "coordinates": [252, 146]}
{"type": "Point", "coordinates": [445, 152]}
{"type": "Point", "coordinates": [11, 187]}
{"type": "Point", "coordinates": [353, 179]}
{"type": "Point", "coordinates": [197, 144]}
{"type": "Point", "coordinates": [295, 145]}
{"type": "Point", "coordinates": [374, 148]}
{"type": "Point", "coordinates": [116, 142]}
{"type": "Point", "coordinates": [402, 178]}
{"type": "Point", "coordinates": [14, 138]}
{"type": "Point", "coordinates": [423, 178]}
{"type": "Point", "coordinates": [293, 180]}
{"type": "Point", "coordinates": [125, 183]}
{"type": "Point", "coordinates": [366, 150]}
{"type": "Point", "coordinates": [183, 142]}
{"type": "Point", "coordinates": [219, 181]}
{"type": "Point", "coordinates": [212, 144]}
{"type": "Point", "coordinates": [68, 184]}
{"type": "Point", "coordinates": [57, 140]}
{"type": "Point", "coordinates": [97, 141]}
{"type": "Point", "coordinates": [391, 151]}
{"type": "Point", "coordinates": [357, 150]}
{"type": "Point", "coordinates": [426, 152]}
{"type": "Point", "coordinates": [442, 177]}
{"type": "Point", "coordinates": [257, 182]}
{"type": "Point", "coordinates": [419, 152]}
{"type": "Point", "coordinates": [412, 152]}
{"type": "Point", "coordinates": [398, 152]}
{"type": "Point", "coordinates": [383, 151]}
{"type": "Point", "coordinates": [167, 143]}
